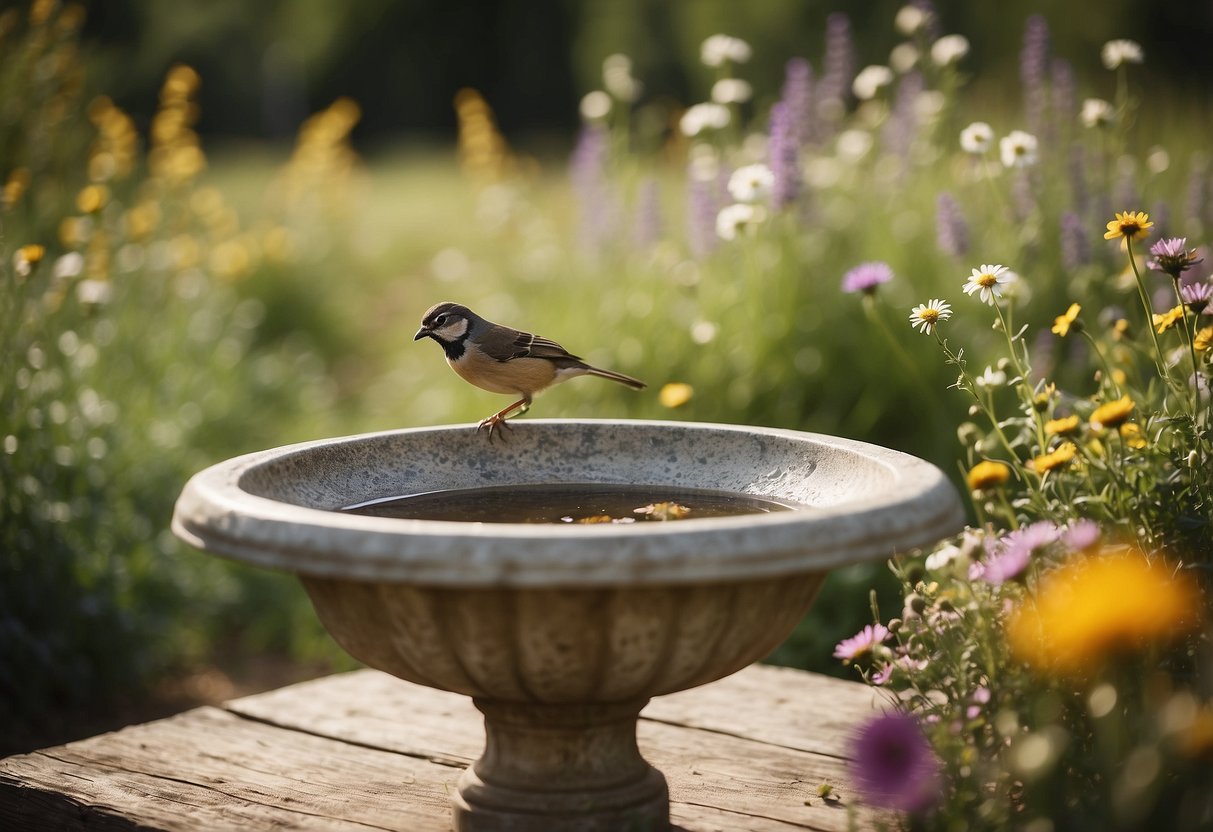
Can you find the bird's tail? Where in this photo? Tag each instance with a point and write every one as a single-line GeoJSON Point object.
{"type": "Point", "coordinates": [634, 383]}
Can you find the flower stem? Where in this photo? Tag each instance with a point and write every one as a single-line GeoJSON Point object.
{"type": "Point", "coordinates": [1160, 359]}
{"type": "Point", "coordinates": [1024, 387]}
{"type": "Point", "coordinates": [1103, 360]}
{"type": "Point", "coordinates": [1183, 323]}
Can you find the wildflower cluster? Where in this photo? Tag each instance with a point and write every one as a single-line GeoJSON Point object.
{"type": "Point", "coordinates": [136, 347]}
{"type": "Point", "coordinates": [1045, 667]}
{"type": "Point", "coordinates": [1073, 611]}
{"type": "Point", "coordinates": [1025, 641]}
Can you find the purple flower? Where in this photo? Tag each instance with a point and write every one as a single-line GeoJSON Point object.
{"type": "Point", "coordinates": [595, 199]}
{"type": "Point", "coordinates": [1197, 296]}
{"type": "Point", "coordinates": [1172, 256]}
{"type": "Point", "coordinates": [783, 151]}
{"type": "Point", "coordinates": [1063, 92]}
{"type": "Point", "coordinates": [1033, 64]}
{"type": "Point", "coordinates": [1081, 534]}
{"type": "Point", "coordinates": [902, 125]}
{"type": "Point", "coordinates": [703, 204]}
{"type": "Point", "coordinates": [862, 642]}
{"type": "Point", "coordinates": [1075, 241]}
{"type": "Point", "coordinates": [951, 230]}
{"type": "Point", "coordinates": [866, 277]}
{"type": "Point", "coordinates": [797, 94]}
{"type": "Point", "coordinates": [1013, 551]}
{"type": "Point", "coordinates": [893, 765]}
{"type": "Point", "coordinates": [839, 70]}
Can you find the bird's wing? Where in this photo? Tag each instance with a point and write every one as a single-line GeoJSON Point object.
{"type": "Point", "coordinates": [508, 344]}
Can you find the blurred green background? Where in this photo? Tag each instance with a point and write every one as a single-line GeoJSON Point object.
{"type": "Point", "coordinates": [235, 256]}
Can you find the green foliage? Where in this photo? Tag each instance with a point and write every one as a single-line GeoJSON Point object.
{"type": "Point", "coordinates": [133, 357]}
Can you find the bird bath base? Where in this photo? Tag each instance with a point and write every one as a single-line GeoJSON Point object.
{"type": "Point", "coordinates": [561, 633]}
{"type": "Point", "coordinates": [565, 768]}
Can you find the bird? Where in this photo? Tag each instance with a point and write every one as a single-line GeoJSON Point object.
{"type": "Point", "coordinates": [501, 359]}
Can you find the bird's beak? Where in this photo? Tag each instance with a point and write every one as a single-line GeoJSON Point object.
{"type": "Point", "coordinates": [422, 333]}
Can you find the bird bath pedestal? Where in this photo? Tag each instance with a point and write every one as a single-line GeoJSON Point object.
{"type": "Point", "coordinates": [562, 633]}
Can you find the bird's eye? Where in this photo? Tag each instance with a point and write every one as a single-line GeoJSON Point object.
{"type": "Point", "coordinates": [440, 320]}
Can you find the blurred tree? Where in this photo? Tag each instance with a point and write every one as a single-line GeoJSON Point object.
{"type": "Point", "coordinates": [265, 65]}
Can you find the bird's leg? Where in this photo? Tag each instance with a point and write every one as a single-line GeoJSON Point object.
{"type": "Point", "coordinates": [498, 419]}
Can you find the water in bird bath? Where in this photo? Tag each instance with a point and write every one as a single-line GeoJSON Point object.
{"type": "Point", "coordinates": [566, 503]}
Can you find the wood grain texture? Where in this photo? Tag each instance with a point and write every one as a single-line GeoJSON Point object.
{"type": "Point", "coordinates": [363, 751]}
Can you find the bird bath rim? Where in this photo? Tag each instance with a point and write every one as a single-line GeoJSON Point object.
{"type": "Point", "coordinates": [245, 508]}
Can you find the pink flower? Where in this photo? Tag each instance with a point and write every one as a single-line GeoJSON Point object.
{"type": "Point", "coordinates": [978, 701]}
{"type": "Point", "coordinates": [903, 663]}
{"type": "Point", "coordinates": [1013, 552]}
{"type": "Point", "coordinates": [862, 642]}
{"type": "Point", "coordinates": [1081, 534]}
{"type": "Point", "coordinates": [866, 277]}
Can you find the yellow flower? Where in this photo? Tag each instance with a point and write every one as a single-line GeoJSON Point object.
{"type": "Point", "coordinates": [26, 257]}
{"type": "Point", "coordinates": [16, 186]}
{"type": "Point", "coordinates": [1130, 432]}
{"type": "Point", "coordinates": [1132, 225]}
{"type": "Point", "coordinates": [1040, 402]}
{"type": "Point", "coordinates": [1064, 425]}
{"type": "Point", "coordinates": [675, 394]}
{"type": "Point", "coordinates": [1054, 459]}
{"type": "Point", "coordinates": [32, 253]}
{"type": "Point", "coordinates": [1062, 324]}
{"type": "Point", "coordinates": [1093, 607]}
{"type": "Point", "coordinates": [92, 198]}
{"type": "Point", "coordinates": [988, 474]}
{"type": "Point", "coordinates": [1201, 341]}
{"type": "Point", "coordinates": [1112, 414]}
{"type": "Point", "coordinates": [1168, 319]}
{"type": "Point", "coordinates": [1120, 329]}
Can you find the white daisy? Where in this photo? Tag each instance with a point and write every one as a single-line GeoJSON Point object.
{"type": "Point", "coordinates": [988, 282]}
{"type": "Point", "coordinates": [706, 116]}
{"type": "Point", "coordinates": [751, 183]}
{"type": "Point", "coordinates": [903, 57]}
{"type": "Point", "coordinates": [1017, 149]}
{"type": "Point", "coordinates": [721, 49]}
{"type": "Point", "coordinates": [926, 316]}
{"type": "Point", "coordinates": [595, 106]}
{"type": "Point", "coordinates": [910, 19]}
{"type": "Point", "coordinates": [1096, 113]}
{"type": "Point", "coordinates": [870, 80]}
{"type": "Point", "coordinates": [731, 91]}
{"type": "Point", "coordinates": [737, 219]}
{"type": "Point", "coordinates": [618, 79]}
{"type": "Point", "coordinates": [977, 138]}
{"type": "Point", "coordinates": [991, 378]}
{"type": "Point", "coordinates": [1122, 51]}
{"type": "Point", "coordinates": [949, 49]}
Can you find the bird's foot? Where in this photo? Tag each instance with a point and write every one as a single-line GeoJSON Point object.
{"type": "Point", "coordinates": [493, 423]}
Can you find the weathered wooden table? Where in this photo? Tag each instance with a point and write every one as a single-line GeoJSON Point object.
{"type": "Point", "coordinates": [363, 751]}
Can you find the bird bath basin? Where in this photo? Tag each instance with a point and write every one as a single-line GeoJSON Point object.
{"type": "Point", "coordinates": [562, 633]}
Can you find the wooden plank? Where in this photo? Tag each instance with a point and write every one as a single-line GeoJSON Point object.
{"type": "Point", "coordinates": [760, 745]}
{"type": "Point", "coordinates": [208, 769]}
{"type": "Point", "coordinates": [776, 705]}
{"type": "Point", "coordinates": [749, 780]}
{"type": "Point", "coordinates": [366, 751]}
{"type": "Point", "coordinates": [374, 709]}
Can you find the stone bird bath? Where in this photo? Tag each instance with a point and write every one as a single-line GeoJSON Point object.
{"type": "Point", "coordinates": [562, 633]}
